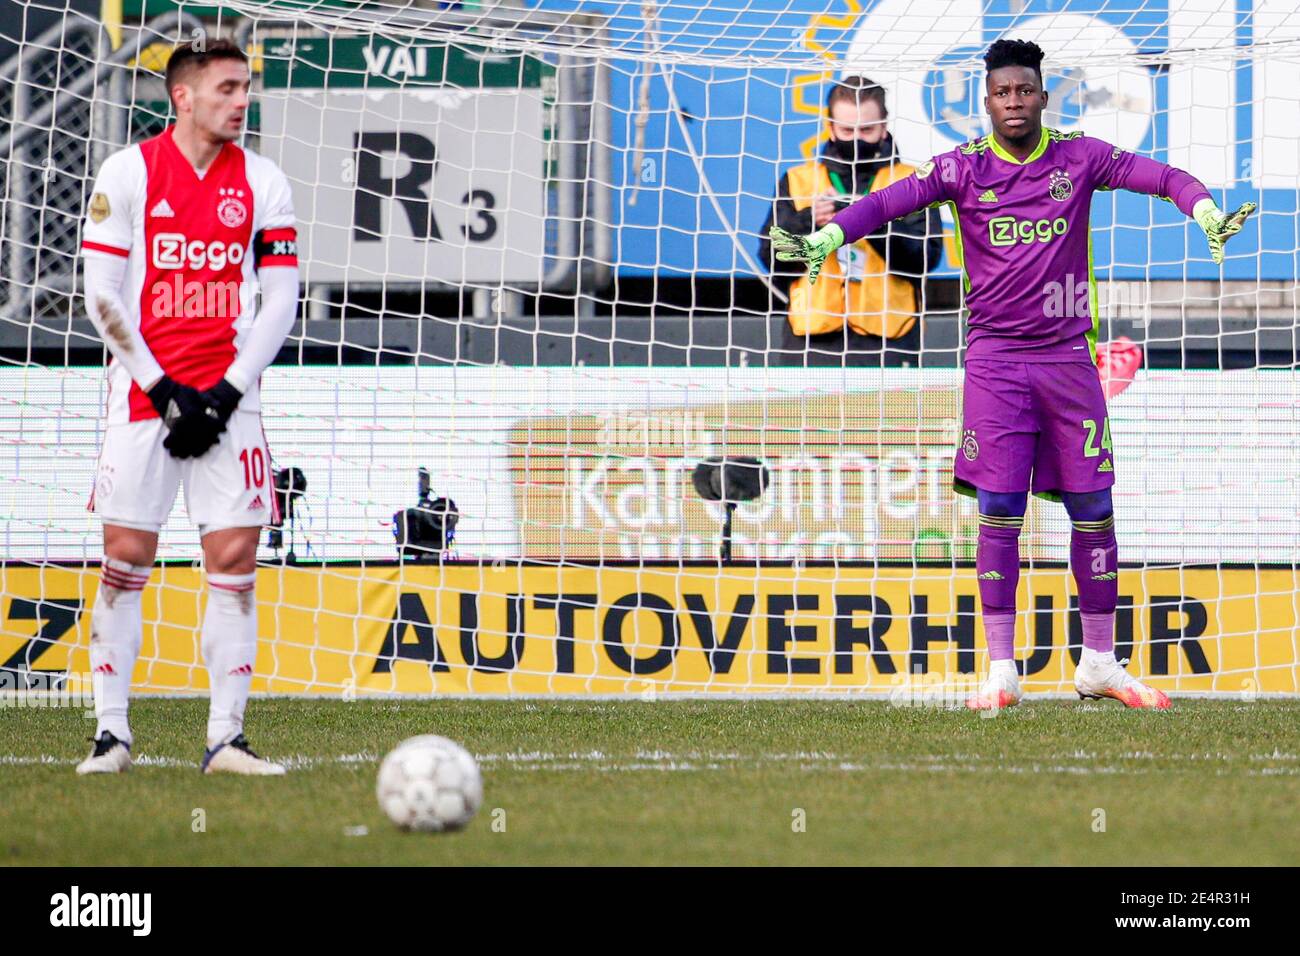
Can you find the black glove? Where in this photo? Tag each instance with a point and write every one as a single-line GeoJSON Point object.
{"type": "Point", "coordinates": [222, 399]}
{"type": "Point", "coordinates": [192, 435]}
{"type": "Point", "coordinates": [200, 428]}
{"type": "Point", "coordinates": [174, 401]}
{"type": "Point", "coordinates": [186, 414]}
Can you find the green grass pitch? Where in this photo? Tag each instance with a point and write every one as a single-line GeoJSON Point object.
{"type": "Point", "coordinates": [678, 782]}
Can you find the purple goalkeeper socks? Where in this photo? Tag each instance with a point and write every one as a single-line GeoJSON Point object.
{"type": "Point", "coordinates": [1000, 635]}
{"type": "Point", "coordinates": [1098, 631]}
{"type": "Point", "coordinates": [997, 566]}
{"type": "Point", "coordinates": [1094, 559]}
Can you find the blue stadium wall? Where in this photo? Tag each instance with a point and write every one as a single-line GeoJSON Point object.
{"type": "Point", "coordinates": [673, 230]}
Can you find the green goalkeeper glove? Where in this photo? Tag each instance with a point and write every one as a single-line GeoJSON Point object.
{"type": "Point", "coordinates": [1218, 225]}
{"type": "Point", "coordinates": [812, 249]}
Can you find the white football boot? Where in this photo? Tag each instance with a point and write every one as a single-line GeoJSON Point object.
{"type": "Point", "coordinates": [1000, 689]}
{"type": "Point", "coordinates": [235, 756]}
{"type": "Point", "coordinates": [109, 755]}
{"type": "Point", "coordinates": [1100, 675]}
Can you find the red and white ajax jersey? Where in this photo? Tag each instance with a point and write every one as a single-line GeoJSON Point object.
{"type": "Point", "coordinates": [192, 246]}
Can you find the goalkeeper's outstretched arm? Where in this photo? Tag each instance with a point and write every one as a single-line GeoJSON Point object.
{"type": "Point", "coordinates": [1124, 170]}
{"type": "Point", "coordinates": [864, 217]}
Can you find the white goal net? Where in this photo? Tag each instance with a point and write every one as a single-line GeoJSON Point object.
{"type": "Point", "coordinates": [530, 249]}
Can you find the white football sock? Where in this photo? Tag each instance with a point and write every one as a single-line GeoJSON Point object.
{"type": "Point", "coordinates": [1098, 657]}
{"type": "Point", "coordinates": [1002, 667]}
{"type": "Point", "coordinates": [116, 631]}
{"type": "Point", "coordinates": [229, 650]}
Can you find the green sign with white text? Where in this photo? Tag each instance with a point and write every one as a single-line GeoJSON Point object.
{"type": "Point", "coordinates": [374, 62]}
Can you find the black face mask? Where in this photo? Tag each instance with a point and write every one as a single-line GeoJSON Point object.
{"type": "Point", "coordinates": [853, 150]}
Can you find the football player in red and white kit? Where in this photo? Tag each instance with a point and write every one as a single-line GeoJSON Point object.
{"type": "Point", "coordinates": [181, 234]}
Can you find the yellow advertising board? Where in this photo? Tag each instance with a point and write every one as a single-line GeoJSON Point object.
{"type": "Point", "coordinates": [648, 629]}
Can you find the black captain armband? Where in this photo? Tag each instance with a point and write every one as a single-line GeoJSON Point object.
{"type": "Point", "coordinates": [276, 247]}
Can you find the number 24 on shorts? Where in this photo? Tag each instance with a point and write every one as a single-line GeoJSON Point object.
{"type": "Point", "coordinates": [1090, 449]}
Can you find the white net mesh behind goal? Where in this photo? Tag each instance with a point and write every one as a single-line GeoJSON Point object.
{"type": "Point", "coordinates": [531, 263]}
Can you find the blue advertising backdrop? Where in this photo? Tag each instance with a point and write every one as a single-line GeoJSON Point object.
{"type": "Point", "coordinates": [730, 132]}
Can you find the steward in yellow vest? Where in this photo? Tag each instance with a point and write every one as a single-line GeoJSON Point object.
{"type": "Point", "coordinates": [872, 284]}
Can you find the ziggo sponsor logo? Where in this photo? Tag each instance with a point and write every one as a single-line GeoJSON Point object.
{"type": "Point", "coordinates": [171, 250]}
{"type": "Point", "coordinates": [1008, 230]}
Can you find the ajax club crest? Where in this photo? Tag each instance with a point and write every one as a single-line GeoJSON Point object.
{"type": "Point", "coordinates": [230, 208]}
{"type": "Point", "coordinates": [969, 446]}
{"type": "Point", "coordinates": [1059, 186]}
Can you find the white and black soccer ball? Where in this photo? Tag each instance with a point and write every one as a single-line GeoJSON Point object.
{"type": "Point", "coordinates": [430, 783]}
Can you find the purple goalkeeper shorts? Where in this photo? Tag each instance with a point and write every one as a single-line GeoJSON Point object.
{"type": "Point", "coordinates": [1029, 426]}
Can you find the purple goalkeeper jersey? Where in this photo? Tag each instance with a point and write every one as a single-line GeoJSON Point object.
{"type": "Point", "coordinates": [1024, 235]}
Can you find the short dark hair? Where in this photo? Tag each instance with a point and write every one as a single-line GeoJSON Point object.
{"type": "Point", "coordinates": [1015, 53]}
{"type": "Point", "coordinates": [195, 56]}
{"type": "Point", "coordinates": [855, 90]}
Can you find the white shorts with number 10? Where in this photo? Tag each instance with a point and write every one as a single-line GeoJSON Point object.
{"type": "Point", "coordinates": [229, 487]}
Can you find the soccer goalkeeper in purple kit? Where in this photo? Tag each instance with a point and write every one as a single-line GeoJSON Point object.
{"type": "Point", "coordinates": [1034, 415]}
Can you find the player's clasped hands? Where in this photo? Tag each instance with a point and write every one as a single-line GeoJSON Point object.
{"type": "Point", "coordinates": [194, 419]}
